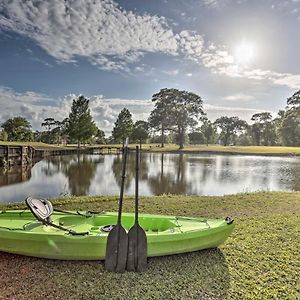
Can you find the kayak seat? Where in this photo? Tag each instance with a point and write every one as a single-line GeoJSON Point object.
{"type": "Point", "coordinates": [42, 209]}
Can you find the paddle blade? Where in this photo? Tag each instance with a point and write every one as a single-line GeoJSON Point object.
{"type": "Point", "coordinates": [116, 250]}
{"type": "Point", "coordinates": [137, 249]}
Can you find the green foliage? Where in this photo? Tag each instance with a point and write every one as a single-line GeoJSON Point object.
{"type": "Point", "coordinates": [290, 129]}
{"type": "Point", "coordinates": [123, 126]}
{"type": "Point", "coordinates": [49, 122]}
{"type": "Point", "coordinates": [80, 126]}
{"type": "Point", "coordinates": [196, 138]}
{"type": "Point", "coordinates": [18, 129]}
{"type": "Point", "coordinates": [140, 132]}
{"type": "Point", "coordinates": [100, 137]}
{"type": "Point", "coordinates": [209, 131]}
{"type": "Point", "coordinates": [230, 126]}
{"type": "Point", "coordinates": [3, 135]}
{"type": "Point", "coordinates": [176, 110]}
{"type": "Point", "coordinates": [294, 101]}
{"type": "Point", "coordinates": [263, 130]}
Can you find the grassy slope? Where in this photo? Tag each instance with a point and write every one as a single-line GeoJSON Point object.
{"type": "Point", "coordinates": [259, 261]}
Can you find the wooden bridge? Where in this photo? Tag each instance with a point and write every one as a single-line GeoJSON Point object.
{"type": "Point", "coordinates": [11, 155]}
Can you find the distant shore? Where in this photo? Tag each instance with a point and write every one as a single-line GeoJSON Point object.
{"type": "Point", "coordinates": [172, 148]}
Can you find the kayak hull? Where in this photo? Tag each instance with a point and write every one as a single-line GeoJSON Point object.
{"type": "Point", "coordinates": [21, 233]}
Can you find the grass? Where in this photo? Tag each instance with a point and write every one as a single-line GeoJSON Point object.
{"type": "Point", "coordinates": [260, 260]}
{"type": "Point", "coordinates": [252, 150]}
{"type": "Point", "coordinates": [259, 150]}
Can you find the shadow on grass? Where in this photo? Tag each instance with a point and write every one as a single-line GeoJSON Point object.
{"type": "Point", "coordinates": [198, 275]}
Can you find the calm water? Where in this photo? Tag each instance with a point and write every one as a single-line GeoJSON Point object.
{"type": "Point", "coordinates": [197, 174]}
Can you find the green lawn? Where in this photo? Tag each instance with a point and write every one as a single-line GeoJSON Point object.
{"type": "Point", "coordinates": [259, 261]}
{"type": "Point", "coordinates": [259, 150]}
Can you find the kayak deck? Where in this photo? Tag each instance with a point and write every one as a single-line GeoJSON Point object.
{"type": "Point", "coordinates": [21, 233]}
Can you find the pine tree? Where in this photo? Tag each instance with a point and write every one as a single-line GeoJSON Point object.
{"type": "Point", "coordinates": [81, 126]}
{"type": "Point", "coordinates": [123, 126]}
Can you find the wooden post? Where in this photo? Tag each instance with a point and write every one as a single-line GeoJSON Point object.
{"type": "Point", "coordinates": [22, 155]}
{"type": "Point", "coordinates": [7, 156]}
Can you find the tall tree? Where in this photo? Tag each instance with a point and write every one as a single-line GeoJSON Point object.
{"type": "Point", "coordinates": [18, 129]}
{"type": "Point", "coordinates": [81, 126]}
{"type": "Point", "coordinates": [123, 126]}
{"type": "Point", "coordinates": [209, 131]}
{"type": "Point", "coordinates": [140, 132]}
{"type": "Point", "coordinates": [48, 123]}
{"type": "Point", "coordinates": [177, 111]}
{"type": "Point", "coordinates": [290, 125]}
{"type": "Point", "coordinates": [294, 101]}
{"type": "Point", "coordinates": [160, 116]}
{"type": "Point", "coordinates": [229, 126]}
{"type": "Point", "coordinates": [263, 130]}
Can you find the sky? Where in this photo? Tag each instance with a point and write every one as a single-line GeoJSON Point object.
{"type": "Point", "coordinates": [240, 56]}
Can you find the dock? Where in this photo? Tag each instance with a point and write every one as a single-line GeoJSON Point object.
{"type": "Point", "coordinates": [13, 155]}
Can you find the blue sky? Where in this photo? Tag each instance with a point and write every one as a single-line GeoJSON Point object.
{"type": "Point", "coordinates": [240, 56]}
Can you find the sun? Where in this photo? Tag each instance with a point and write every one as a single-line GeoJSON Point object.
{"type": "Point", "coordinates": [244, 53]}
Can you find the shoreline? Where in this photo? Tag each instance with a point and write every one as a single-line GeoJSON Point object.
{"type": "Point", "coordinates": [174, 149]}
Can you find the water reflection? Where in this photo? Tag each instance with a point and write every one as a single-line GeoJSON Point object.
{"type": "Point", "coordinates": [159, 174]}
{"type": "Point", "coordinates": [79, 169]}
{"type": "Point", "coordinates": [14, 175]}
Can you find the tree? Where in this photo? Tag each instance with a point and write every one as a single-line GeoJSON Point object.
{"type": "Point", "coordinates": [18, 129]}
{"type": "Point", "coordinates": [290, 130]}
{"type": "Point", "coordinates": [48, 123]}
{"type": "Point", "coordinates": [100, 137]}
{"type": "Point", "coordinates": [294, 101]}
{"type": "Point", "coordinates": [160, 116]}
{"type": "Point", "coordinates": [3, 135]}
{"type": "Point", "coordinates": [140, 132]}
{"type": "Point", "coordinates": [209, 131]}
{"type": "Point", "coordinates": [290, 124]}
{"type": "Point", "coordinates": [230, 126]}
{"type": "Point", "coordinates": [196, 137]}
{"type": "Point", "coordinates": [123, 126]}
{"type": "Point", "coordinates": [177, 110]}
{"type": "Point", "coordinates": [81, 126]}
{"type": "Point", "coordinates": [263, 130]}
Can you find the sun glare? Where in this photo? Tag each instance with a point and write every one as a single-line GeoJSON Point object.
{"type": "Point", "coordinates": [244, 53]}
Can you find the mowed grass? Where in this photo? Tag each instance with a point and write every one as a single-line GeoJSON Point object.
{"type": "Point", "coordinates": [259, 150]}
{"type": "Point", "coordinates": [252, 150]}
{"type": "Point", "coordinates": [260, 260]}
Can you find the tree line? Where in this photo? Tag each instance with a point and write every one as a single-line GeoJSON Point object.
{"type": "Point", "coordinates": [177, 117]}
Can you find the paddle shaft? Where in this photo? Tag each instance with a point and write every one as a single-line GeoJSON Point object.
{"type": "Point", "coordinates": [122, 185]}
{"type": "Point", "coordinates": [137, 167]}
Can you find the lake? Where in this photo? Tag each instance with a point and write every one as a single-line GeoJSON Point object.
{"type": "Point", "coordinates": [187, 174]}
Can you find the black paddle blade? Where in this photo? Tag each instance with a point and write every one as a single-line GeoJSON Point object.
{"type": "Point", "coordinates": [116, 250]}
{"type": "Point", "coordinates": [137, 249]}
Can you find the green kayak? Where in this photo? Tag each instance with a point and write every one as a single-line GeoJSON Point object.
{"type": "Point", "coordinates": [83, 235]}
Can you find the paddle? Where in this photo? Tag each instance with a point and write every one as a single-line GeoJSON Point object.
{"type": "Point", "coordinates": [117, 240]}
{"type": "Point", "coordinates": [137, 239]}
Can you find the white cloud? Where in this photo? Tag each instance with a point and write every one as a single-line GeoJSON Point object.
{"type": "Point", "coordinates": [97, 29]}
{"type": "Point", "coordinates": [113, 38]}
{"type": "Point", "coordinates": [34, 107]}
{"type": "Point", "coordinates": [239, 97]}
{"type": "Point", "coordinates": [214, 112]}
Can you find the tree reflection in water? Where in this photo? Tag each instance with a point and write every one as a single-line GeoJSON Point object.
{"type": "Point", "coordinates": [79, 169]}
{"type": "Point", "coordinates": [170, 183]}
{"type": "Point", "coordinates": [130, 169]}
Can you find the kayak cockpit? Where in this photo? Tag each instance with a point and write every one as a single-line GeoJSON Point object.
{"type": "Point", "coordinates": [98, 221]}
